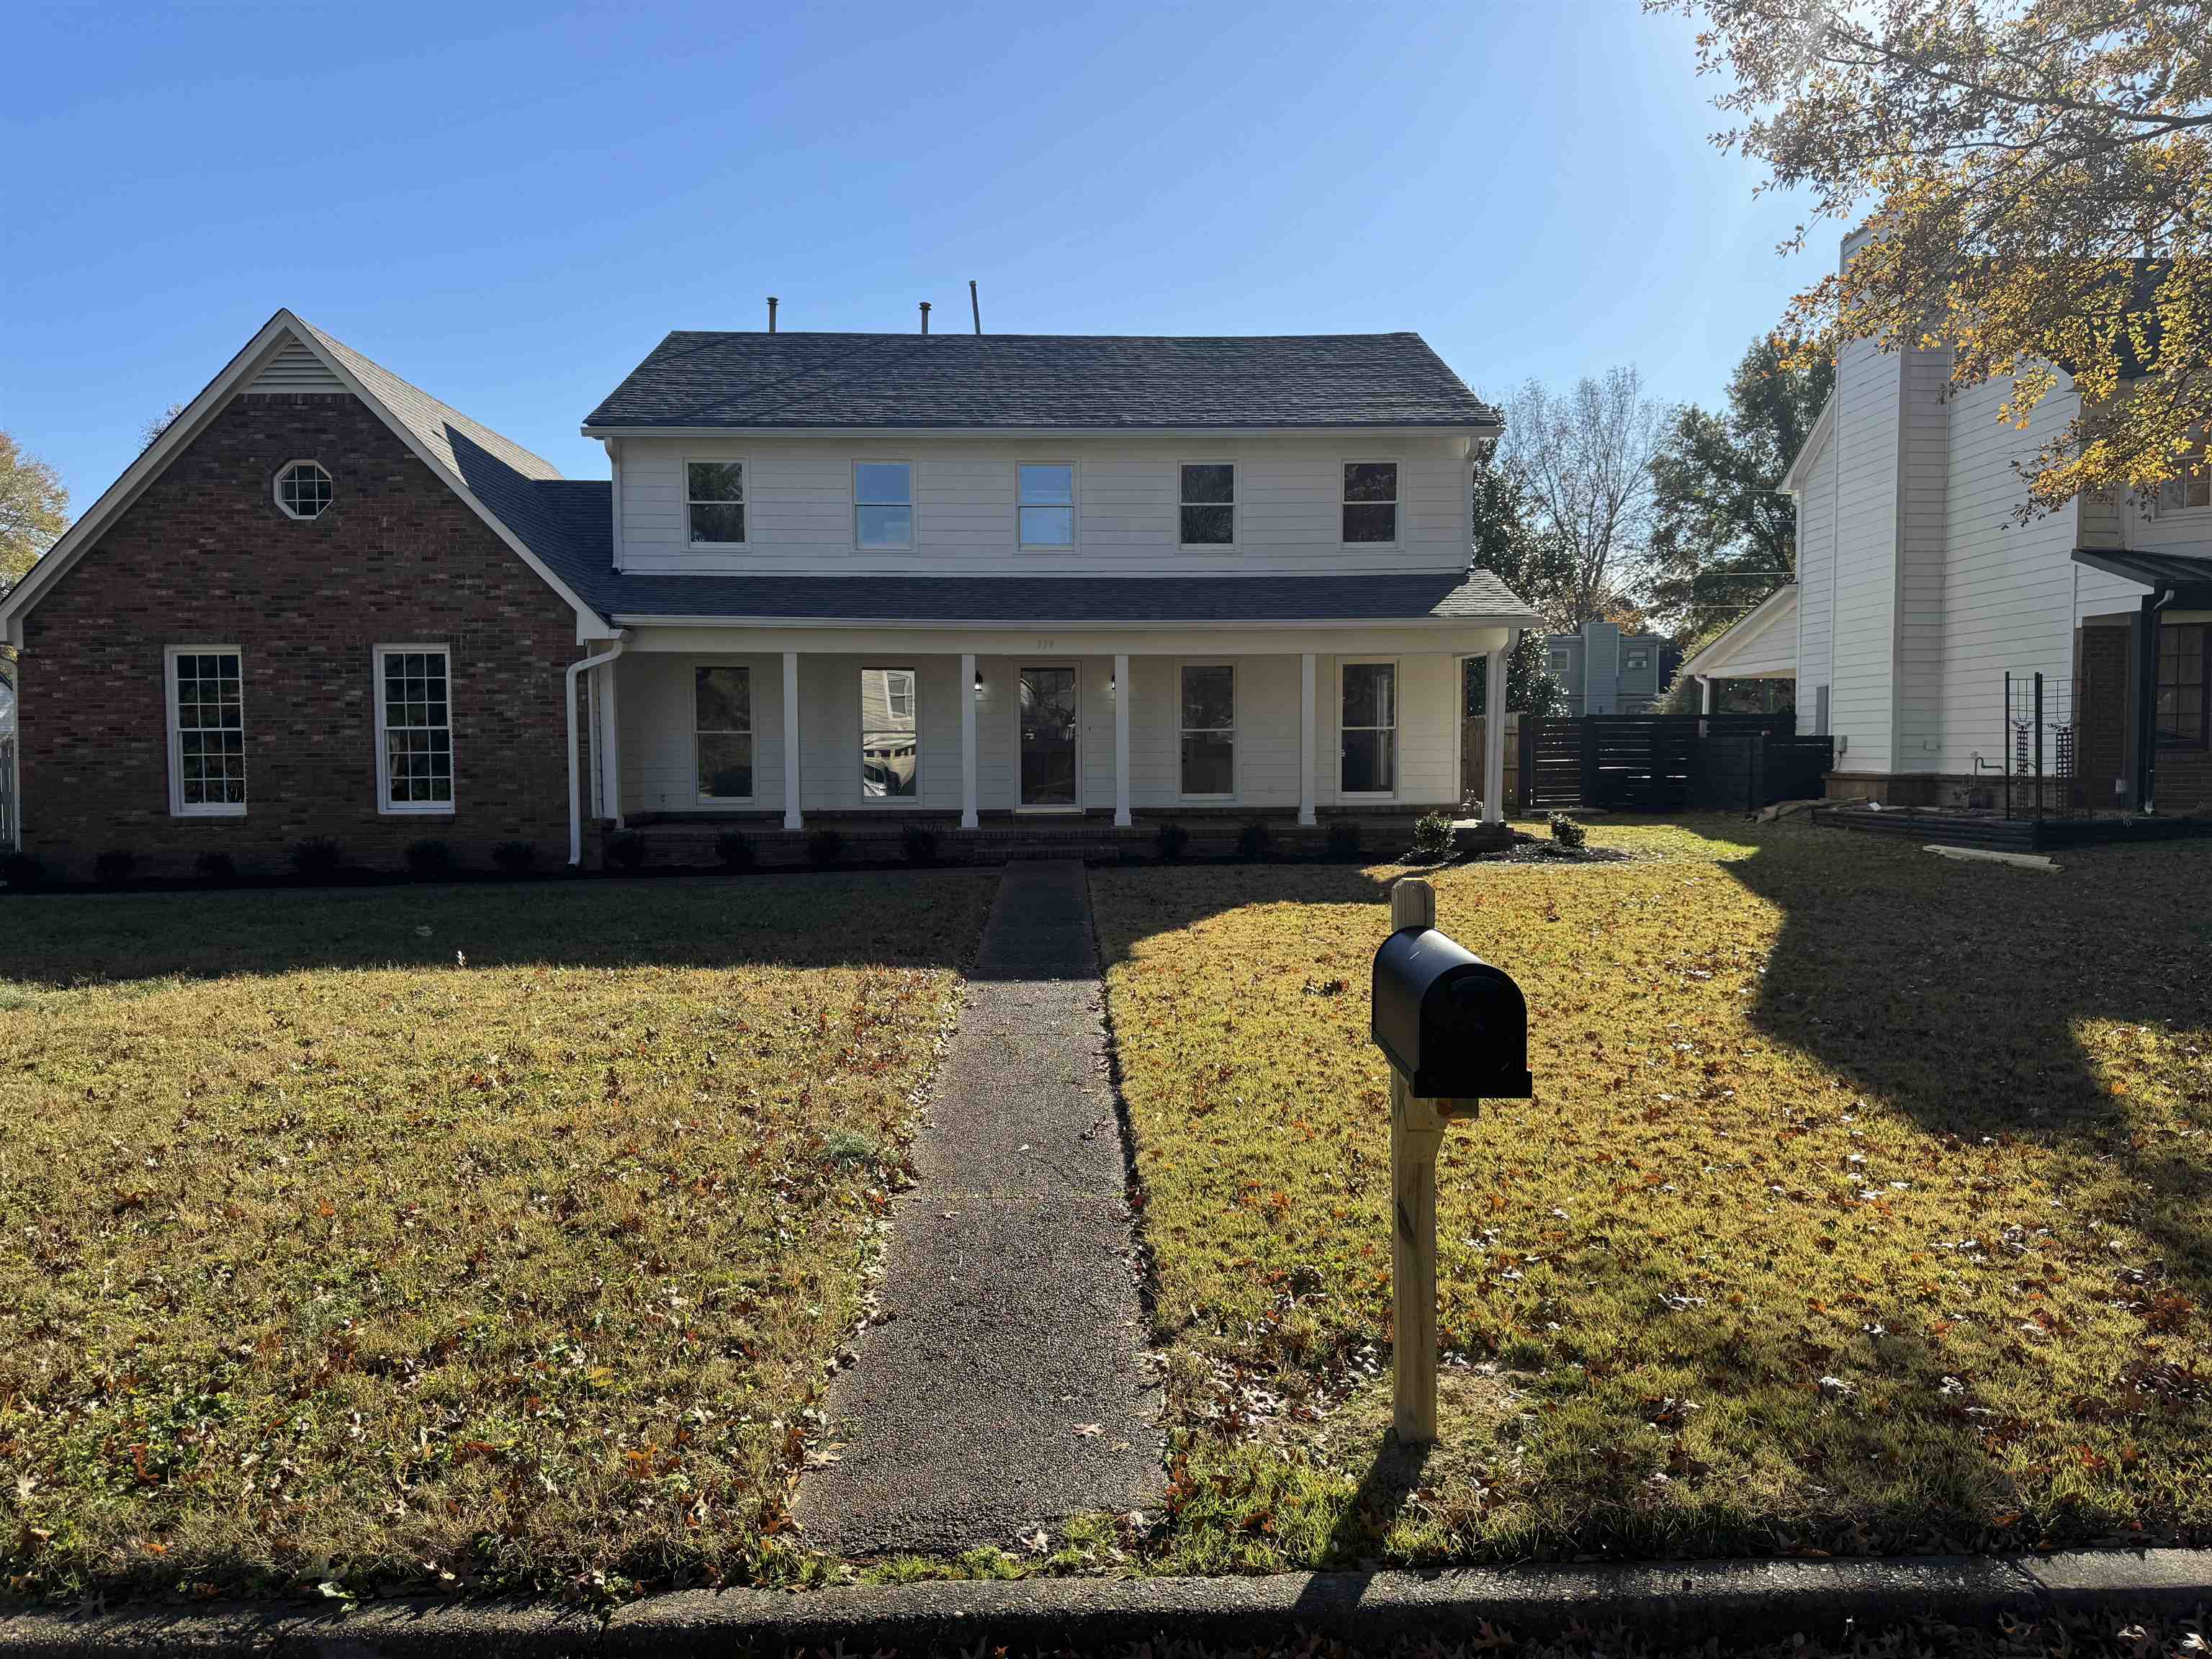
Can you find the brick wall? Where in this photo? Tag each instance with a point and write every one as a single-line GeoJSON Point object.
{"type": "Point", "coordinates": [205, 556]}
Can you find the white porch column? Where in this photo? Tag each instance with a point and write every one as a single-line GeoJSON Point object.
{"type": "Point", "coordinates": [1306, 738]}
{"type": "Point", "coordinates": [968, 740]}
{"type": "Point", "coordinates": [1123, 693]}
{"type": "Point", "coordinates": [1494, 731]}
{"type": "Point", "coordinates": [612, 744]}
{"type": "Point", "coordinates": [792, 820]}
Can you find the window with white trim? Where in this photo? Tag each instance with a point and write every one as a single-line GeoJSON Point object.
{"type": "Point", "coordinates": [722, 732]}
{"type": "Point", "coordinates": [1639, 659]}
{"type": "Point", "coordinates": [1209, 730]}
{"type": "Point", "coordinates": [1370, 729]}
{"type": "Point", "coordinates": [2193, 487]}
{"type": "Point", "coordinates": [1370, 501]}
{"type": "Point", "coordinates": [207, 730]}
{"type": "Point", "coordinates": [714, 504]}
{"type": "Point", "coordinates": [414, 728]}
{"type": "Point", "coordinates": [1208, 503]}
{"type": "Point", "coordinates": [1045, 503]}
{"type": "Point", "coordinates": [890, 736]}
{"type": "Point", "coordinates": [883, 504]}
{"type": "Point", "coordinates": [304, 490]}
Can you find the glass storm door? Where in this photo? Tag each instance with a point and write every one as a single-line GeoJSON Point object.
{"type": "Point", "coordinates": [1048, 739]}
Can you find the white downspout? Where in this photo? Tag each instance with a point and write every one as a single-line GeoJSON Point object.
{"type": "Point", "coordinates": [575, 802]}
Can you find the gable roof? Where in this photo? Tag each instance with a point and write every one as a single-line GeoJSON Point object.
{"type": "Point", "coordinates": [1793, 481]}
{"type": "Point", "coordinates": [1762, 644]}
{"type": "Point", "coordinates": [1038, 382]}
{"type": "Point", "coordinates": [518, 494]}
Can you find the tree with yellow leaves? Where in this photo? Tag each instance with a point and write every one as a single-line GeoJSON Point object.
{"type": "Point", "coordinates": [2039, 175]}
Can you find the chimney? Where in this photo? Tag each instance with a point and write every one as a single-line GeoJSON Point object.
{"type": "Point", "coordinates": [771, 314]}
{"type": "Point", "coordinates": [925, 316]}
{"type": "Point", "coordinates": [974, 305]}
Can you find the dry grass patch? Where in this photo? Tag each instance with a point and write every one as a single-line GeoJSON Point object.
{"type": "Point", "coordinates": [1862, 1206]}
{"type": "Point", "coordinates": [422, 1237]}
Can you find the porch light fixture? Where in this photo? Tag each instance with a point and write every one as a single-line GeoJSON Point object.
{"type": "Point", "coordinates": [979, 685]}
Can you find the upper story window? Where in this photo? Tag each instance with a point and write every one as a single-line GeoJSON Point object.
{"type": "Point", "coordinates": [1639, 659]}
{"type": "Point", "coordinates": [1370, 501]}
{"type": "Point", "coordinates": [883, 504]}
{"type": "Point", "coordinates": [207, 730]}
{"type": "Point", "coordinates": [303, 490]}
{"type": "Point", "coordinates": [1209, 504]}
{"type": "Point", "coordinates": [1558, 663]}
{"type": "Point", "coordinates": [1045, 497]}
{"type": "Point", "coordinates": [2193, 489]}
{"type": "Point", "coordinates": [714, 502]}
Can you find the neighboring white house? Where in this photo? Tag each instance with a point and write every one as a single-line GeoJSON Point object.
{"type": "Point", "coordinates": [1920, 589]}
{"type": "Point", "coordinates": [1761, 645]}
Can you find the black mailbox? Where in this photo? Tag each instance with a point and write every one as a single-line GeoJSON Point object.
{"type": "Point", "coordinates": [1456, 1026]}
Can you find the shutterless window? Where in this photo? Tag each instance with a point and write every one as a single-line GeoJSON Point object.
{"type": "Point", "coordinates": [1209, 729]}
{"type": "Point", "coordinates": [722, 732]}
{"type": "Point", "coordinates": [890, 740]}
{"type": "Point", "coordinates": [1370, 728]}
{"type": "Point", "coordinates": [1638, 662]}
{"type": "Point", "coordinates": [714, 499]}
{"type": "Point", "coordinates": [1371, 501]}
{"type": "Point", "coordinates": [1209, 504]}
{"type": "Point", "coordinates": [207, 732]}
{"type": "Point", "coordinates": [1046, 494]}
{"type": "Point", "coordinates": [2181, 686]}
{"type": "Point", "coordinates": [414, 728]}
{"type": "Point", "coordinates": [883, 504]}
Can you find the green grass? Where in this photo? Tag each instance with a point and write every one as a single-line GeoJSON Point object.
{"type": "Point", "coordinates": [1865, 1204]}
{"type": "Point", "coordinates": [460, 1238]}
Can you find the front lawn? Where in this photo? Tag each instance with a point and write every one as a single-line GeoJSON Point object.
{"type": "Point", "coordinates": [1865, 1204]}
{"type": "Point", "coordinates": [441, 1238]}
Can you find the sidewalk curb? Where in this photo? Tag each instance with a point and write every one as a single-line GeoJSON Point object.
{"type": "Point", "coordinates": [1689, 1601]}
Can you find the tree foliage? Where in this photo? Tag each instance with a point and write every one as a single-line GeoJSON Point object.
{"type": "Point", "coordinates": [1508, 543]}
{"type": "Point", "coordinates": [2040, 176]}
{"type": "Point", "coordinates": [34, 509]}
{"type": "Point", "coordinates": [1725, 536]}
{"type": "Point", "coordinates": [161, 423]}
{"type": "Point", "coordinates": [1585, 456]}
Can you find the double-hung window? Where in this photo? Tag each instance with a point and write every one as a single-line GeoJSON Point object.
{"type": "Point", "coordinates": [714, 502]}
{"type": "Point", "coordinates": [1370, 501]}
{"type": "Point", "coordinates": [207, 730]}
{"type": "Point", "coordinates": [1044, 494]}
{"type": "Point", "coordinates": [2193, 487]}
{"type": "Point", "coordinates": [414, 728]}
{"type": "Point", "coordinates": [2181, 685]}
{"type": "Point", "coordinates": [722, 733]}
{"type": "Point", "coordinates": [890, 737]}
{"type": "Point", "coordinates": [1209, 730]}
{"type": "Point", "coordinates": [1370, 729]}
{"type": "Point", "coordinates": [1208, 504]}
{"type": "Point", "coordinates": [883, 504]}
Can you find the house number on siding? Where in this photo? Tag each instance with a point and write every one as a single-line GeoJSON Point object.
{"type": "Point", "coordinates": [1046, 642]}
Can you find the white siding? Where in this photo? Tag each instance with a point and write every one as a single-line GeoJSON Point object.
{"type": "Point", "coordinates": [1816, 568]}
{"type": "Point", "coordinates": [294, 369]}
{"type": "Point", "coordinates": [653, 709]}
{"type": "Point", "coordinates": [799, 506]}
{"type": "Point", "coordinates": [1862, 702]}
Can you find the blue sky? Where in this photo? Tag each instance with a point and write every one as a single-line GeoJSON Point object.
{"type": "Point", "coordinates": [510, 207]}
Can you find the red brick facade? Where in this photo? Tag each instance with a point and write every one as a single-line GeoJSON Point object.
{"type": "Point", "coordinates": [205, 556]}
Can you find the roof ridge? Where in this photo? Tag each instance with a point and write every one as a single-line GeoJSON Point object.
{"type": "Point", "coordinates": [476, 430]}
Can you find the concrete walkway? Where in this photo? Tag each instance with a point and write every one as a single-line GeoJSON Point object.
{"type": "Point", "coordinates": [1004, 1388]}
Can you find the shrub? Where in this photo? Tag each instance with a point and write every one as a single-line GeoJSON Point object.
{"type": "Point", "coordinates": [626, 850]}
{"type": "Point", "coordinates": [514, 857]}
{"type": "Point", "coordinates": [219, 868]}
{"type": "Point", "coordinates": [735, 849]}
{"type": "Point", "coordinates": [1432, 835]}
{"type": "Point", "coordinates": [430, 860]}
{"type": "Point", "coordinates": [919, 842]}
{"type": "Point", "coordinates": [1171, 838]}
{"type": "Point", "coordinates": [826, 846]}
{"type": "Point", "coordinates": [1570, 833]}
{"type": "Point", "coordinates": [1255, 840]}
{"type": "Point", "coordinates": [114, 867]}
{"type": "Point", "coordinates": [1344, 841]}
{"type": "Point", "coordinates": [317, 859]}
{"type": "Point", "coordinates": [23, 871]}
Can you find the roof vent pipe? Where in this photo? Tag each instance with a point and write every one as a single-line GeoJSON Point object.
{"type": "Point", "coordinates": [925, 316]}
{"type": "Point", "coordinates": [975, 306]}
{"type": "Point", "coordinates": [771, 314]}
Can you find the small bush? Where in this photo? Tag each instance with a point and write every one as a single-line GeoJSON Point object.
{"type": "Point", "coordinates": [430, 860]}
{"type": "Point", "coordinates": [626, 850]}
{"type": "Point", "coordinates": [826, 846]}
{"type": "Point", "coordinates": [23, 871]}
{"type": "Point", "coordinates": [114, 867]}
{"type": "Point", "coordinates": [1171, 838]}
{"type": "Point", "coordinates": [514, 857]}
{"type": "Point", "coordinates": [1255, 840]}
{"type": "Point", "coordinates": [1432, 835]}
{"type": "Point", "coordinates": [919, 842]}
{"type": "Point", "coordinates": [1344, 841]}
{"type": "Point", "coordinates": [317, 859]}
{"type": "Point", "coordinates": [735, 849]}
{"type": "Point", "coordinates": [219, 869]}
{"type": "Point", "coordinates": [1570, 833]}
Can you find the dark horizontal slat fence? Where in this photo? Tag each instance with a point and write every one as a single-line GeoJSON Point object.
{"type": "Point", "coordinates": [1661, 763]}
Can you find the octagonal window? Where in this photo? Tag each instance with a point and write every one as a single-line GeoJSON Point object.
{"type": "Point", "coordinates": [303, 490]}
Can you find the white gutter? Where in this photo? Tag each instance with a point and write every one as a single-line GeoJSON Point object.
{"type": "Point", "coordinates": [575, 798]}
{"type": "Point", "coordinates": [1514, 619]}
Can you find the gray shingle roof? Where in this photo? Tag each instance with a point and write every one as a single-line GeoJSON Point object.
{"type": "Point", "coordinates": [1015, 381]}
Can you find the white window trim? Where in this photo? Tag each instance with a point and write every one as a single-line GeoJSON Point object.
{"type": "Point", "coordinates": [385, 806]}
{"type": "Point", "coordinates": [1236, 724]}
{"type": "Point", "coordinates": [177, 809]}
{"type": "Point", "coordinates": [1397, 504]}
{"type": "Point", "coordinates": [1397, 726]}
{"type": "Point", "coordinates": [276, 489]}
{"type": "Point", "coordinates": [744, 463]}
{"type": "Point", "coordinates": [1075, 513]}
{"type": "Point", "coordinates": [913, 506]}
{"type": "Point", "coordinates": [891, 803]}
{"type": "Point", "coordinates": [1235, 521]}
{"type": "Point", "coordinates": [1074, 665]}
{"type": "Point", "coordinates": [699, 797]}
